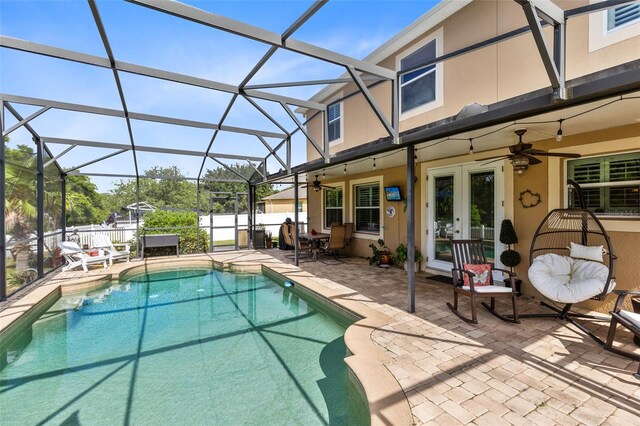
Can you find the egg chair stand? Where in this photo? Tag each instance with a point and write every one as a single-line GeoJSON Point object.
{"type": "Point", "coordinates": [554, 236]}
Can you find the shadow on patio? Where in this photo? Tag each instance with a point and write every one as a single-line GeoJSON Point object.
{"type": "Point", "coordinates": [541, 371]}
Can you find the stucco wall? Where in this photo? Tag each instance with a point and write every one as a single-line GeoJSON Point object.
{"type": "Point", "coordinates": [282, 206]}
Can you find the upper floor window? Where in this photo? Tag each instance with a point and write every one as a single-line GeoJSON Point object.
{"type": "Point", "coordinates": [622, 16]}
{"type": "Point", "coordinates": [611, 184]}
{"type": "Point", "coordinates": [333, 203]}
{"type": "Point", "coordinates": [367, 208]}
{"type": "Point", "coordinates": [334, 117]}
{"type": "Point", "coordinates": [418, 87]}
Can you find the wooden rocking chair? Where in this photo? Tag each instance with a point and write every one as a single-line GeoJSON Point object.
{"type": "Point", "coordinates": [466, 252]}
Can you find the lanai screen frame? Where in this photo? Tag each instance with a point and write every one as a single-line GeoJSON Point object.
{"type": "Point", "coordinates": [538, 13]}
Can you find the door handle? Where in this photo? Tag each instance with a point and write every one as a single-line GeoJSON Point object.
{"type": "Point", "coordinates": [457, 231]}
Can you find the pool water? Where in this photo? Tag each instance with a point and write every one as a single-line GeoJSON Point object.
{"type": "Point", "coordinates": [181, 347]}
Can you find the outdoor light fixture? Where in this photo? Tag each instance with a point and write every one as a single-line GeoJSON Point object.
{"type": "Point", "coordinates": [520, 164]}
{"type": "Point", "coordinates": [470, 146]}
{"type": "Point", "coordinates": [559, 133]}
{"type": "Point", "coordinates": [374, 163]}
{"type": "Point", "coordinates": [323, 175]}
{"type": "Point", "coordinates": [345, 169]}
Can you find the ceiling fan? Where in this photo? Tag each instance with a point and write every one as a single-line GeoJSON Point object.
{"type": "Point", "coordinates": [524, 155]}
{"type": "Point", "coordinates": [317, 185]}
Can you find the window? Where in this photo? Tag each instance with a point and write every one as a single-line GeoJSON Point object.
{"type": "Point", "coordinates": [300, 206]}
{"type": "Point", "coordinates": [333, 202]}
{"type": "Point", "coordinates": [367, 206]}
{"type": "Point", "coordinates": [419, 86]}
{"type": "Point", "coordinates": [611, 184]}
{"type": "Point", "coordinates": [334, 117]}
{"type": "Point", "coordinates": [623, 15]}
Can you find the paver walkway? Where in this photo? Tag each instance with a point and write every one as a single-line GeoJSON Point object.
{"type": "Point", "coordinates": [541, 371]}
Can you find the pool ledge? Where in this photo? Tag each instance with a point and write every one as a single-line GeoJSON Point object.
{"type": "Point", "coordinates": [385, 398]}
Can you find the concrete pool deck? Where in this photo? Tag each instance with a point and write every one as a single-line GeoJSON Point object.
{"type": "Point", "coordinates": [541, 371]}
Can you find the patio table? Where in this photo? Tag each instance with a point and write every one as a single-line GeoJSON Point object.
{"type": "Point", "coordinates": [314, 240]}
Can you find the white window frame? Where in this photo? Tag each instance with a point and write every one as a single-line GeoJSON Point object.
{"type": "Point", "coordinates": [599, 34]}
{"type": "Point", "coordinates": [352, 210]}
{"type": "Point", "coordinates": [336, 185]}
{"type": "Point", "coordinates": [600, 185]}
{"type": "Point", "coordinates": [332, 101]}
{"type": "Point", "coordinates": [439, 70]}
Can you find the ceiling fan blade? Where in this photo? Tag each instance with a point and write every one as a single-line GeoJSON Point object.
{"type": "Point", "coordinates": [494, 157]}
{"type": "Point", "coordinates": [327, 187]}
{"type": "Point", "coordinates": [559, 154]}
{"type": "Point", "coordinates": [532, 160]}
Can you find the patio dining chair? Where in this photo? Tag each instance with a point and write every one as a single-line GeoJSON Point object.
{"type": "Point", "coordinates": [102, 241]}
{"type": "Point", "coordinates": [336, 240]}
{"type": "Point", "coordinates": [473, 276]}
{"type": "Point", "coordinates": [75, 257]}
{"type": "Point", "coordinates": [348, 233]}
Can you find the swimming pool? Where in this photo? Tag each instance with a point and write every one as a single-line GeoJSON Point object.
{"type": "Point", "coordinates": [181, 346]}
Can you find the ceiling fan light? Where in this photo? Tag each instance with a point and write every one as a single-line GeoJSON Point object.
{"type": "Point", "coordinates": [316, 188]}
{"type": "Point", "coordinates": [520, 161]}
{"type": "Point", "coordinates": [520, 170]}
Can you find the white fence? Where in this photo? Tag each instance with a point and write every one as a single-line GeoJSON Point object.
{"type": "Point", "coordinates": [482, 232]}
{"type": "Point", "coordinates": [223, 225]}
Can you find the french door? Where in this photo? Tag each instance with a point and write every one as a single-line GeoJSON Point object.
{"type": "Point", "coordinates": [464, 202]}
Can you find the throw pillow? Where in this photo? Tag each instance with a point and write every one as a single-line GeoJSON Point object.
{"type": "Point", "coordinates": [588, 253]}
{"type": "Point", "coordinates": [482, 271]}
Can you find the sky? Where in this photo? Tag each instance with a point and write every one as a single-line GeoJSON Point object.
{"type": "Point", "coordinates": [146, 37]}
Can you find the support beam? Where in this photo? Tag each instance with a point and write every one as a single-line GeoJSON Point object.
{"type": "Point", "coordinates": [31, 130]}
{"type": "Point", "coordinates": [3, 239]}
{"type": "Point", "coordinates": [250, 215]}
{"type": "Point", "coordinates": [265, 113]}
{"type": "Point", "coordinates": [257, 169]}
{"type": "Point", "coordinates": [141, 148]}
{"type": "Point", "coordinates": [309, 83]}
{"type": "Point", "coordinates": [372, 103]}
{"type": "Point", "coordinates": [249, 31]}
{"type": "Point", "coordinates": [296, 240]}
{"type": "Point", "coordinates": [303, 130]}
{"type": "Point", "coordinates": [548, 10]}
{"type": "Point", "coordinates": [63, 206]}
{"type": "Point", "coordinates": [40, 206]}
{"type": "Point", "coordinates": [26, 120]}
{"type": "Point", "coordinates": [411, 237]}
{"type": "Point", "coordinates": [97, 160]}
{"type": "Point", "coordinates": [286, 99]}
{"type": "Point", "coordinates": [83, 58]}
{"type": "Point", "coordinates": [273, 152]}
{"type": "Point", "coordinates": [116, 175]}
{"type": "Point", "coordinates": [557, 82]}
{"type": "Point", "coordinates": [215, 134]}
{"type": "Point", "coordinates": [57, 157]}
{"type": "Point", "coordinates": [66, 106]}
{"type": "Point", "coordinates": [230, 169]}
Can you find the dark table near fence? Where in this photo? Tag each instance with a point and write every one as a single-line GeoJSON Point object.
{"type": "Point", "coordinates": [161, 240]}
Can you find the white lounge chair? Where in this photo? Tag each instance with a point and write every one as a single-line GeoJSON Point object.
{"type": "Point", "coordinates": [104, 242]}
{"type": "Point", "coordinates": [75, 257]}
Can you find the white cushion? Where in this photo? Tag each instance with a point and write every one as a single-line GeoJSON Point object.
{"type": "Point", "coordinates": [631, 317]}
{"type": "Point", "coordinates": [488, 288]}
{"type": "Point", "coordinates": [567, 280]}
{"type": "Point", "coordinates": [588, 253]}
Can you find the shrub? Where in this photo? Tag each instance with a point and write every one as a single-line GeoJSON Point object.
{"type": "Point", "coordinates": [167, 222]}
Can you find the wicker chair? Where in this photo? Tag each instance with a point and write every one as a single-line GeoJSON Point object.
{"type": "Point", "coordinates": [472, 252]}
{"type": "Point", "coordinates": [629, 320]}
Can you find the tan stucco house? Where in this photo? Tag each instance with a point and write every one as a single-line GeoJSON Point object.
{"type": "Point", "coordinates": [473, 74]}
{"type": "Point", "coordinates": [283, 201]}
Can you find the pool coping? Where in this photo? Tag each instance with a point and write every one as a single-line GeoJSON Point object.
{"type": "Point", "coordinates": [366, 361]}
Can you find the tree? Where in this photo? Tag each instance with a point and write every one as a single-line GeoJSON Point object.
{"type": "Point", "coordinates": [84, 203]}
{"type": "Point", "coordinates": [175, 193]}
{"type": "Point", "coordinates": [233, 187]}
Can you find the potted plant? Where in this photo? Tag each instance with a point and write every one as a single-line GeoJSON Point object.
{"type": "Point", "coordinates": [510, 257]}
{"type": "Point", "coordinates": [400, 257]}
{"type": "Point", "coordinates": [268, 239]}
{"type": "Point", "coordinates": [380, 255]}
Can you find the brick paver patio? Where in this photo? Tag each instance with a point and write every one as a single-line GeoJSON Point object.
{"type": "Point", "coordinates": [541, 371]}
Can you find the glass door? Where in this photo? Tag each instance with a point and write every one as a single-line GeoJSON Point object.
{"type": "Point", "coordinates": [464, 202]}
{"type": "Point", "coordinates": [445, 215]}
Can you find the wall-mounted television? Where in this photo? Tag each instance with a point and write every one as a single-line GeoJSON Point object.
{"type": "Point", "coordinates": [392, 193]}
